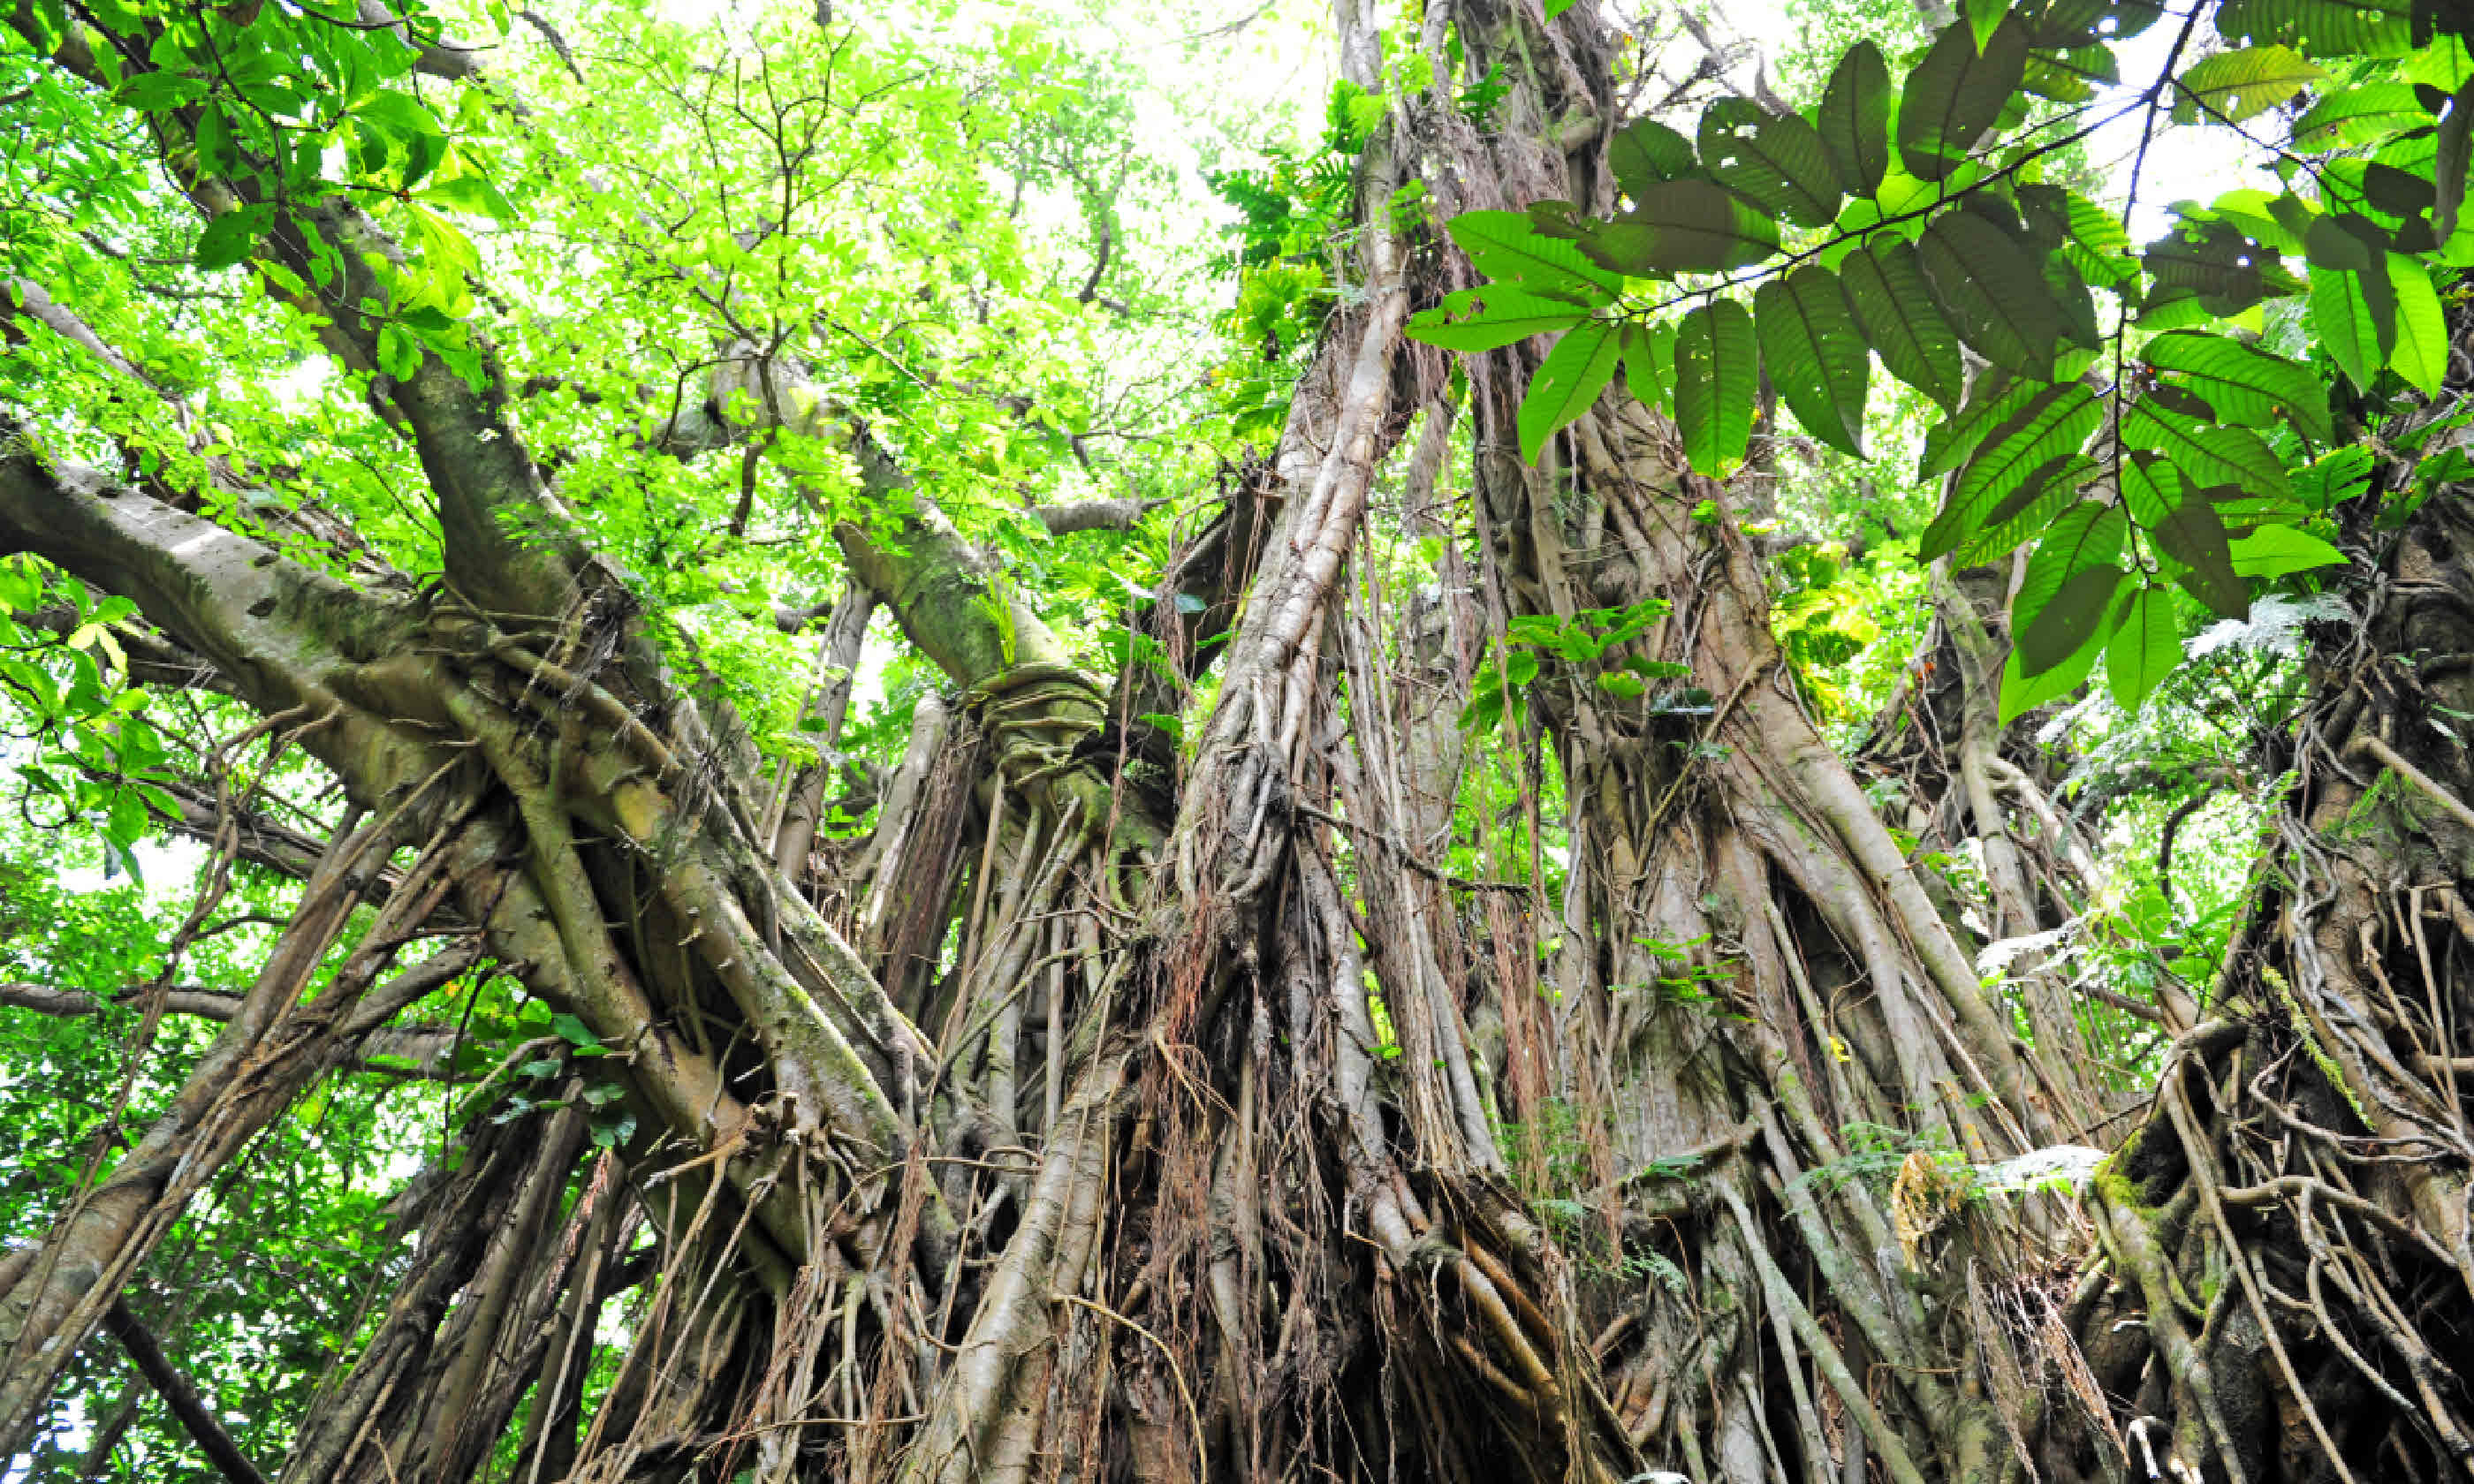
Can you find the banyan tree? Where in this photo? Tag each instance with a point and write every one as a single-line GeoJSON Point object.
{"type": "Point", "coordinates": [841, 828]}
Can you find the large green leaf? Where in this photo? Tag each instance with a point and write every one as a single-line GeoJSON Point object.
{"type": "Point", "coordinates": [1954, 95]}
{"type": "Point", "coordinates": [2193, 534]}
{"type": "Point", "coordinates": [1774, 160]}
{"type": "Point", "coordinates": [1646, 152]}
{"type": "Point", "coordinates": [2071, 298]}
{"type": "Point", "coordinates": [2150, 488]}
{"type": "Point", "coordinates": [1990, 402]}
{"type": "Point", "coordinates": [2242, 383]}
{"type": "Point", "coordinates": [2027, 511]}
{"type": "Point", "coordinates": [1682, 226]}
{"type": "Point", "coordinates": [2275, 551]}
{"type": "Point", "coordinates": [1994, 292]}
{"type": "Point", "coordinates": [2234, 85]}
{"type": "Point", "coordinates": [2086, 537]}
{"type": "Point", "coordinates": [2421, 353]}
{"type": "Point", "coordinates": [1487, 317]}
{"type": "Point", "coordinates": [1815, 354]}
{"type": "Point", "coordinates": [1885, 286]}
{"type": "Point", "coordinates": [2204, 453]}
{"type": "Point", "coordinates": [2089, 238]}
{"type": "Point", "coordinates": [1569, 379]}
{"type": "Point", "coordinates": [1718, 377]}
{"type": "Point", "coordinates": [1507, 246]}
{"type": "Point", "coordinates": [2062, 23]}
{"type": "Point", "coordinates": [2355, 316]}
{"type": "Point", "coordinates": [1855, 119]}
{"type": "Point", "coordinates": [2360, 116]}
{"type": "Point", "coordinates": [2144, 649]}
{"type": "Point", "coordinates": [2346, 240]}
{"type": "Point", "coordinates": [2052, 426]}
{"type": "Point", "coordinates": [2073, 75]}
{"type": "Point", "coordinates": [2215, 264]}
{"type": "Point", "coordinates": [2329, 481]}
{"type": "Point", "coordinates": [2449, 152]}
{"type": "Point", "coordinates": [228, 238]}
{"type": "Point", "coordinates": [1649, 364]}
{"type": "Point", "coordinates": [2321, 28]}
{"type": "Point", "coordinates": [2073, 619]}
{"type": "Point", "coordinates": [2021, 693]}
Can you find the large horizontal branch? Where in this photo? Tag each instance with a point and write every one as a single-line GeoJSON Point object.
{"type": "Point", "coordinates": [410, 1051]}
{"type": "Point", "coordinates": [1117, 515]}
{"type": "Point", "coordinates": [286, 640]}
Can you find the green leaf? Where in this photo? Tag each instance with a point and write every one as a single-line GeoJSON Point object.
{"type": "Point", "coordinates": [396, 115]}
{"type": "Point", "coordinates": [2333, 478]}
{"type": "Point", "coordinates": [1645, 151]}
{"type": "Point", "coordinates": [1996, 293]}
{"type": "Point", "coordinates": [1774, 160]}
{"type": "Point", "coordinates": [2144, 649]}
{"type": "Point", "coordinates": [2421, 353]}
{"type": "Point", "coordinates": [160, 91]}
{"type": "Point", "coordinates": [1486, 319]}
{"type": "Point", "coordinates": [2071, 620]}
{"type": "Point", "coordinates": [228, 238]}
{"type": "Point", "coordinates": [2060, 23]}
{"type": "Point", "coordinates": [2271, 552]}
{"type": "Point", "coordinates": [1855, 119]}
{"type": "Point", "coordinates": [571, 1029]}
{"type": "Point", "coordinates": [1815, 354]}
{"type": "Point", "coordinates": [2213, 263]}
{"type": "Point", "coordinates": [2193, 534]}
{"type": "Point", "coordinates": [2393, 192]}
{"type": "Point", "coordinates": [1649, 364]}
{"type": "Point", "coordinates": [2021, 693]}
{"type": "Point", "coordinates": [2345, 240]}
{"type": "Point", "coordinates": [2360, 116]}
{"type": "Point", "coordinates": [1990, 402]}
{"type": "Point", "coordinates": [2073, 75]}
{"type": "Point", "coordinates": [2051, 426]}
{"type": "Point", "coordinates": [2449, 153]}
{"type": "Point", "coordinates": [473, 193]}
{"type": "Point", "coordinates": [2204, 454]}
{"type": "Point", "coordinates": [1954, 95]}
{"type": "Point", "coordinates": [1505, 247]}
{"type": "Point", "coordinates": [2076, 304]}
{"type": "Point", "coordinates": [1717, 376]}
{"type": "Point", "coordinates": [1983, 17]}
{"type": "Point", "coordinates": [2355, 316]}
{"type": "Point", "coordinates": [2087, 536]}
{"type": "Point", "coordinates": [2242, 383]}
{"type": "Point", "coordinates": [2321, 28]}
{"type": "Point", "coordinates": [2232, 86]}
{"type": "Point", "coordinates": [1648, 361]}
{"type": "Point", "coordinates": [1682, 226]}
{"type": "Point", "coordinates": [1885, 286]}
{"type": "Point", "coordinates": [2087, 236]}
{"type": "Point", "coordinates": [1569, 379]}
{"type": "Point", "coordinates": [2026, 511]}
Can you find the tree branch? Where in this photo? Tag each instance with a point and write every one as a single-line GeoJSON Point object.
{"type": "Point", "coordinates": [421, 1050]}
{"type": "Point", "coordinates": [178, 1397]}
{"type": "Point", "coordinates": [284, 637]}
